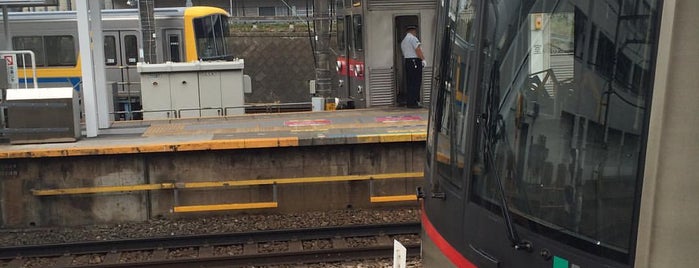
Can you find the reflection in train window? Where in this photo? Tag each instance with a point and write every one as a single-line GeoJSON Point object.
{"type": "Point", "coordinates": [358, 40]}
{"type": "Point", "coordinates": [463, 52]}
{"type": "Point", "coordinates": [565, 125]}
{"type": "Point", "coordinates": [350, 30]}
{"type": "Point", "coordinates": [341, 41]}
{"type": "Point", "coordinates": [110, 50]}
{"type": "Point", "coordinates": [266, 11]}
{"type": "Point", "coordinates": [33, 43]}
{"type": "Point", "coordinates": [131, 49]}
{"type": "Point", "coordinates": [62, 50]}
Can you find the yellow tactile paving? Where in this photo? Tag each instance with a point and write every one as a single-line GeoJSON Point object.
{"type": "Point", "coordinates": [162, 129]}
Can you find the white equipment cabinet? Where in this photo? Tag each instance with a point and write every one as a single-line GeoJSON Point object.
{"type": "Point", "coordinates": [192, 89]}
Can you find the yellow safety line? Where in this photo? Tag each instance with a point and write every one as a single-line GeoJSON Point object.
{"type": "Point", "coordinates": [214, 184]}
{"type": "Point", "coordinates": [104, 189]}
{"type": "Point", "coordinates": [216, 207]}
{"type": "Point", "coordinates": [392, 198]}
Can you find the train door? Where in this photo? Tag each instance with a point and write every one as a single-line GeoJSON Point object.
{"type": "Point", "coordinates": [173, 45]}
{"type": "Point", "coordinates": [401, 23]}
{"type": "Point", "coordinates": [343, 57]}
{"type": "Point", "coordinates": [357, 88]}
{"type": "Point", "coordinates": [121, 56]}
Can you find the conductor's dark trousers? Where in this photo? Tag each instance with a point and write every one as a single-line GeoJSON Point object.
{"type": "Point", "coordinates": [413, 77]}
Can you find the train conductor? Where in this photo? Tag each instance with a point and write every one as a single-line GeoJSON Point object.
{"type": "Point", "coordinates": [413, 62]}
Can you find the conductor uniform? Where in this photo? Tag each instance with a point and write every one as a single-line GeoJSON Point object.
{"type": "Point", "coordinates": [413, 63]}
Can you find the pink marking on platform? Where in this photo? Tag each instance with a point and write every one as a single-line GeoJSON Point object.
{"type": "Point", "coordinates": [307, 122]}
{"type": "Point", "coordinates": [394, 119]}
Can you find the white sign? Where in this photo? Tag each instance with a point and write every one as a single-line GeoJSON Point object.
{"type": "Point", "coordinates": [12, 79]}
{"type": "Point", "coordinates": [399, 255]}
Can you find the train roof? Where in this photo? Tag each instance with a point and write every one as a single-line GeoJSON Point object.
{"type": "Point", "coordinates": [170, 12]}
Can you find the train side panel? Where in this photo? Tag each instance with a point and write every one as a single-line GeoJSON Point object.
{"type": "Point", "coordinates": [667, 235]}
{"type": "Point", "coordinates": [550, 146]}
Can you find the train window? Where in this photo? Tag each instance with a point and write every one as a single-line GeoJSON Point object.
{"type": "Point", "coordinates": [211, 33]}
{"type": "Point", "coordinates": [62, 50]}
{"type": "Point", "coordinates": [463, 53]}
{"type": "Point", "coordinates": [339, 4]}
{"type": "Point", "coordinates": [341, 41]}
{"type": "Point", "coordinates": [110, 50]}
{"type": "Point", "coordinates": [33, 43]}
{"type": "Point", "coordinates": [357, 27]}
{"type": "Point", "coordinates": [174, 44]}
{"type": "Point", "coordinates": [452, 112]}
{"type": "Point", "coordinates": [131, 49]}
{"type": "Point", "coordinates": [267, 11]}
{"type": "Point", "coordinates": [564, 133]}
{"type": "Point", "coordinates": [349, 30]}
{"type": "Point", "coordinates": [443, 129]}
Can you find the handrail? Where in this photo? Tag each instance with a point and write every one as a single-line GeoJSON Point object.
{"type": "Point", "coordinates": [33, 59]}
{"type": "Point", "coordinates": [223, 184]}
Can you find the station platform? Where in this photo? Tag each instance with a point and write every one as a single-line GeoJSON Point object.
{"type": "Point", "coordinates": [359, 126]}
{"type": "Point", "coordinates": [288, 162]}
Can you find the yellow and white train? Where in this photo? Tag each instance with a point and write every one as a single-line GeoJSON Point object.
{"type": "Point", "coordinates": [183, 35]}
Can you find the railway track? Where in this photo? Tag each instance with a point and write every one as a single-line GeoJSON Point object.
{"type": "Point", "coordinates": [271, 247]}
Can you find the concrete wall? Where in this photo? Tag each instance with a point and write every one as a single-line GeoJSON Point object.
{"type": "Point", "coordinates": [280, 65]}
{"type": "Point", "coordinates": [21, 209]}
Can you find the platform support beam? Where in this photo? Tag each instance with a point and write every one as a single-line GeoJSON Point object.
{"type": "Point", "coordinates": [95, 97]}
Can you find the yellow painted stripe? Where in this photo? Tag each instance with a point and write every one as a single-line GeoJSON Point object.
{"type": "Point", "coordinates": [155, 148]}
{"type": "Point", "coordinates": [368, 139]}
{"type": "Point", "coordinates": [103, 189]}
{"type": "Point", "coordinates": [218, 207]}
{"type": "Point", "coordinates": [288, 141]}
{"type": "Point", "coordinates": [398, 137]}
{"type": "Point", "coordinates": [261, 142]}
{"type": "Point", "coordinates": [393, 198]}
{"type": "Point", "coordinates": [419, 136]}
{"type": "Point", "coordinates": [215, 184]}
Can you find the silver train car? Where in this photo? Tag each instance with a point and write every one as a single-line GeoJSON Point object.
{"type": "Point", "coordinates": [561, 135]}
{"type": "Point", "coordinates": [182, 35]}
{"type": "Point", "coordinates": [369, 59]}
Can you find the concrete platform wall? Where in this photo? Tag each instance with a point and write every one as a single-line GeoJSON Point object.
{"type": "Point", "coordinates": [20, 208]}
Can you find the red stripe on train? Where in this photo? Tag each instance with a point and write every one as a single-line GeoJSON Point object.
{"type": "Point", "coordinates": [450, 252]}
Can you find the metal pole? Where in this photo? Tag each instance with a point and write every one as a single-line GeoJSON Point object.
{"type": "Point", "coordinates": [6, 25]}
{"type": "Point", "coordinates": [88, 75]}
{"type": "Point", "coordinates": [103, 95]}
{"type": "Point", "coordinates": [148, 35]}
{"type": "Point", "coordinates": [8, 46]}
{"type": "Point", "coordinates": [321, 18]}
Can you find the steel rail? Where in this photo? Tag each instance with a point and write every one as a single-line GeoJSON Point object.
{"type": "Point", "coordinates": [144, 244]}
{"type": "Point", "coordinates": [270, 259]}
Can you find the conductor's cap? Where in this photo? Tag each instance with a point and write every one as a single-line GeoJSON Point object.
{"type": "Point", "coordinates": [411, 27]}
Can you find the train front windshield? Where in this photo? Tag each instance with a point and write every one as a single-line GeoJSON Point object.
{"type": "Point", "coordinates": [565, 86]}
{"type": "Point", "coordinates": [211, 33]}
